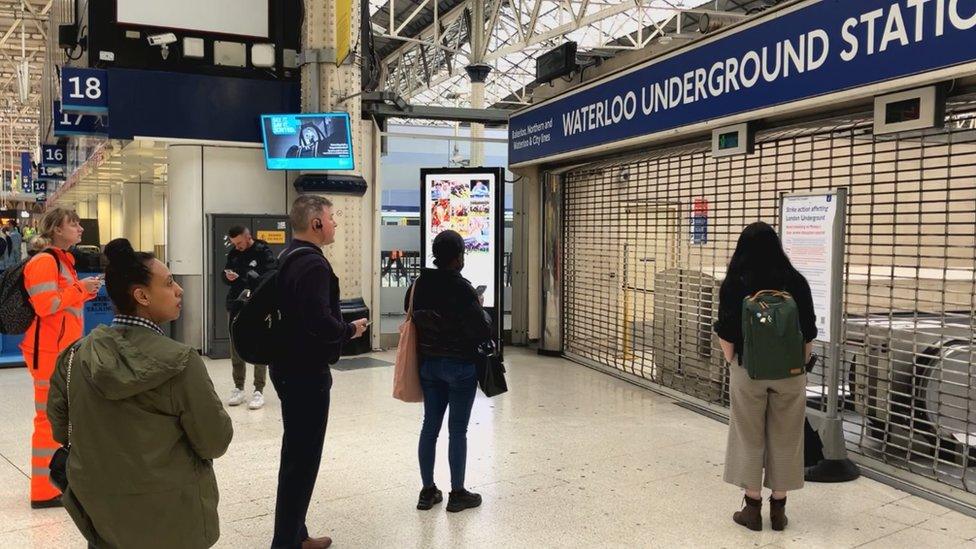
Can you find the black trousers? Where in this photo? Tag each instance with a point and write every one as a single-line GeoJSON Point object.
{"type": "Point", "coordinates": [304, 415]}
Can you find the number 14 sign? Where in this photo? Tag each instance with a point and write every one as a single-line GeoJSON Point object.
{"type": "Point", "coordinates": [84, 91]}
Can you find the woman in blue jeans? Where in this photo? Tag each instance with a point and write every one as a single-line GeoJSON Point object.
{"type": "Point", "coordinates": [451, 323]}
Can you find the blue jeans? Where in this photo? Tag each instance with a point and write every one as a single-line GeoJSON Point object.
{"type": "Point", "coordinates": [446, 382]}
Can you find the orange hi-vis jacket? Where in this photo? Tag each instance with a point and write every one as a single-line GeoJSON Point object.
{"type": "Point", "coordinates": [58, 300]}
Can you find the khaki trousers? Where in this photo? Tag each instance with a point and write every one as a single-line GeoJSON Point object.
{"type": "Point", "coordinates": [765, 432]}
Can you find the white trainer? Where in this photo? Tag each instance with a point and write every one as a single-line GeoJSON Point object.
{"type": "Point", "coordinates": [236, 397]}
{"type": "Point", "coordinates": [257, 401]}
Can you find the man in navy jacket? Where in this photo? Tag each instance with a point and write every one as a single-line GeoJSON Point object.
{"type": "Point", "coordinates": [313, 336]}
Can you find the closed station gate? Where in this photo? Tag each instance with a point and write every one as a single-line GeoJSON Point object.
{"type": "Point", "coordinates": [641, 285]}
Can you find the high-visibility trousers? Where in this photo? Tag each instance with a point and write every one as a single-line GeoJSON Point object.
{"type": "Point", "coordinates": [43, 444]}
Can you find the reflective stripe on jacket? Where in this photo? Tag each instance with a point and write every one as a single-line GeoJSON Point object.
{"type": "Point", "coordinates": [58, 300]}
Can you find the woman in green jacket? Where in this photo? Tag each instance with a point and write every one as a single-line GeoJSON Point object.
{"type": "Point", "coordinates": [142, 417]}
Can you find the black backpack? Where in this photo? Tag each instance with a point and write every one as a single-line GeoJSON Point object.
{"type": "Point", "coordinates": [16, 312]}
{"type": "Point", "coordinates": [254, 330]}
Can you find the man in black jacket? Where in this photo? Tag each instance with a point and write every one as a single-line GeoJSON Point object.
{"type": "Point", "coordinates": [247, 262]}
{"type": "Point", "coordinates": [312, 340]}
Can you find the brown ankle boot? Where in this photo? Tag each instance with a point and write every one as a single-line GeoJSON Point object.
{"type": "Point", "coordinates": [777, 513]}
{"type": "Point", "coordinates": [751, 514]}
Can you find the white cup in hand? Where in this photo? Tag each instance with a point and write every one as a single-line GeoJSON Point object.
{"type": "Point", "coordinates": [91, 284]}
{"type": "Point", "coordinates": [360, 326]}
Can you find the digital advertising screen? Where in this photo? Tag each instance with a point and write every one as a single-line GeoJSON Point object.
{"type": "Point", "coordinates": [470, 203]}
{"type": "Point", "coordinates": [318, 141]}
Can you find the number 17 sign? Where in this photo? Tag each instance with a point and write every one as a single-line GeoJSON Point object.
{"type": "Point", "coordinates": [84, 91]}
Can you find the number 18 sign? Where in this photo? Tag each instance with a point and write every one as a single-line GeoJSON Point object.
{"type": "Point", "coordinates": [84, 90]}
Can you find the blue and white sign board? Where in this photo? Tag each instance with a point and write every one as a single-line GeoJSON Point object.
{"type": "Point", "coordinates": [53, 156]}
{"type": "Point", "coordinates": [26, 172]}
{"type": "Point", "coordinates": [84, 90]}
{"type": "Point", "coordinates": [699, 229]}
{"type": "Point", "coordinates": [66, 124]}
{"type": "Point", "coordinates": [50, 173]}
{"type": "Point", "coordinates": [40, 186]}
{"type": "Point", "coordinates": [808, 50]}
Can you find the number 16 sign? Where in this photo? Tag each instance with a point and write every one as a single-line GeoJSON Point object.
{"type": "Point", "coordinates": [84, 90]}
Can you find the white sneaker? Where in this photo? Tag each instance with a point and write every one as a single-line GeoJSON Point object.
{"type": "Point", "coordinates": [236, 397]}
{"type": "Point", "coordinates": [257, 401]}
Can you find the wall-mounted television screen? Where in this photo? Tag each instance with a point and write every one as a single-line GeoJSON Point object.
{"type": "Point", "coordinates": [315, 141]}
{"type": "Point", "coordinates": [234, 17]}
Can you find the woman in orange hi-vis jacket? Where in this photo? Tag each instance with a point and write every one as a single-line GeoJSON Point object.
{"type": "Point", "coordinates": [58, 299]}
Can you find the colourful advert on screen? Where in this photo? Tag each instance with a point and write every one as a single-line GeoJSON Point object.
{"type": "Point", "coordinates": [465, 203]}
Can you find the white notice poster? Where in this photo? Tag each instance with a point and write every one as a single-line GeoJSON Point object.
{"type": "Point", "coordinates": [807, 230]}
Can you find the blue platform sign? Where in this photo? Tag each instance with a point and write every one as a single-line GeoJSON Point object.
{"type": "Point", "coordinates": [810, 49]}
{"type": "Point", "coordinates": [50, 173]}
{"type": "Point", "coordinates": [699, 229]}
{"type": "Point", "coordinates": [54, 155]}
{"type": "Point", "coordinates": [66, 124]}
{"type": "Point", "coordinates": [40, 186]}
{"type": "Point", "coordinates": [84, 91]}
{"type": "Point", "coordinates": [26, 172]}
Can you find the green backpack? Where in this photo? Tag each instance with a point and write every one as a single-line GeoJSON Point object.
{"type": "Point", "coordinates": [772, 341]}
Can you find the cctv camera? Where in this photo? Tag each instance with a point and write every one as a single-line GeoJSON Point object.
{"type": "Point", "coordinates": [161, 39]}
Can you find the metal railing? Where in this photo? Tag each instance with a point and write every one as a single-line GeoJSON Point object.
{"type": "Point", "coordinates": [400, 268]}
{"type": "Point", "coordinates": [641, 294]}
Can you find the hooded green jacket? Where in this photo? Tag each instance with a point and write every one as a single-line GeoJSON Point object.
{"type": "Point", "coordinates": [145, 427]}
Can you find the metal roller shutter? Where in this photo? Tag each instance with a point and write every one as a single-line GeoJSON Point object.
{"type": "Point", "coordinates": [641, 295]}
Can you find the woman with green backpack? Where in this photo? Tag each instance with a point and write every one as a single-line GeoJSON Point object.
{"type": "Point", "coordinates": [766, 324]}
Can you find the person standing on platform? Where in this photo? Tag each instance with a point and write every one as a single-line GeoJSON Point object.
{"type": "Point", "coordinates": [247, 262]}
{"type": "Point", "coordinates": [16, 240]}
{"type": "Point", "coordinates": [765, 442]}
{"type": "Point", "coordinates": [58, 299]}
{"type": "Point", "coordinates": [311, 340]}
{"type": "Point", "coordinates": [451, 322]}
{"type": "Point", "coordinates": [142, 419]}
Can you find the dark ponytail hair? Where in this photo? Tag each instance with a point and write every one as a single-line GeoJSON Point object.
{"type": "Point", "coordinates": [759, 260]}
{"type": "Point", "coordinates": [126, 268]}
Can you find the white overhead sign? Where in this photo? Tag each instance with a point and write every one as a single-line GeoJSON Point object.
{"type": "Point", "coordinates": [234, 17]}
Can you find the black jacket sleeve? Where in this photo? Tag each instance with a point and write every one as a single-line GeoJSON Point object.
{"type": "Point", "coordinates": [729, 323]}
{"type": "Point", "coordinates": [265, 262]}
{"type": "Point", "coordinates": [406, 296]}
{"type": "Point", "coordinates": [475, 322]}
{"type": "Point", "coordinates": [804, 303]}
{"type": "Point", "coordinates": [314, 279]}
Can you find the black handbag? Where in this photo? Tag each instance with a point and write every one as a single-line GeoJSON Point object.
{"type": "Point", "coordinates": [491, 370]}
{"type": "Point", "coordinates": [59, 461]}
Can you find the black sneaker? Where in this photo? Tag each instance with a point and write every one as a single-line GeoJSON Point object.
{"type": "Point", "coordinates": [460, 500]}
{"type": "Point", "coordinates": [429, 497]}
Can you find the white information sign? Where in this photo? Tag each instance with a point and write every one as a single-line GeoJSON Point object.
{"type": "Point", "coordinates": [465, 203]}
{"type": "Point", "coordinates": [809, 229]}
{"type": "Point", "coordinates": [234, 17]}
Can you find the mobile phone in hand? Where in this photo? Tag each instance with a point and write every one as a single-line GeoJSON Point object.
{"type": "Point", "coordinates": [481, 289]}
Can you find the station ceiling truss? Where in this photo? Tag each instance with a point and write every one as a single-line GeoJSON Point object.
{"type": "Point", "coordinates": [425, 45]}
